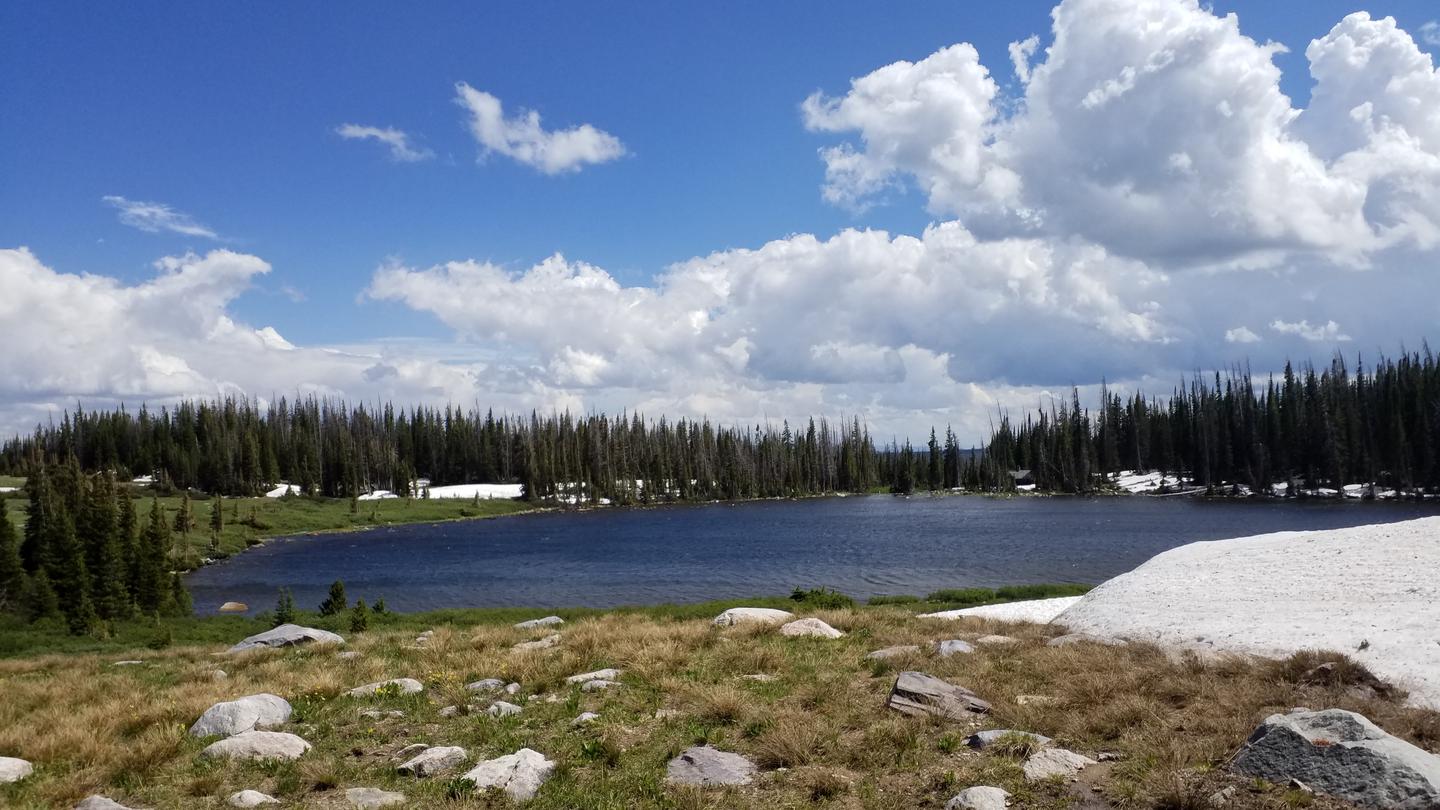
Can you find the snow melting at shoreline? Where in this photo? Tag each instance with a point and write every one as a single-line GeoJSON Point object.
{"type": "Point", "coordinates": [1371, 592]}
{"type": "Point", "coordinates": [1039, 611]}
{"type": "Point", "coordinates": [467, 491]}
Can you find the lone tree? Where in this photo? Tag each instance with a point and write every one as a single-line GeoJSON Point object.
{"type": "Point", "coordinates": [284, 608]}
{"type": "Point", "coordinates": [359, 617]}
{"type": "Point", "coordinates": [336, 601]}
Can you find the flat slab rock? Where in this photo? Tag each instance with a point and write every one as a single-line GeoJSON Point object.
{"type": "Point", "coordinates": [953, 646]}
{"type": "Point", "coordinates": [892, 652]}
{"type": "Point", "coordinates": [1342, 754]}
{"type": "Point", "coordinates": [597, 675]}
{"type": "Point", "coordinates": [369, 798]}
{"type": "Point", "coordinates": [248, 713]}
{"type": "Point", "coordinates": [709, 767]}
{"type": "Point", "coordinates": [919, 695]}
{"type": "Point", "coordinates": [519, 774]}
{"type": "Point", "coordinates": [809, 627]}
{"type": "Point", "coordinates": [740, 615]}
{"type": "Point", "coordinates": [13, 769]}
{"type": "Point", "coordinates": [287, 635]}
{"type": "Point", "coordinates": [548, 621]}
{"type": "Point", "coordinates": [541, 644]}
{"type": "Point", "coordinates": [486, 685]}
{"type": "Point", "coordinates": [434, 761]}
{"type": "Point", "coordinates": [980, 797]}
{"type": "Point", "coordinates": [404, 686]}
{"type": "Point", "coordinates": [258, 745]}
{"type": "Point", "coordinates": [250, 798]}
{"type": "Point", "coordinates": [984, 739]}
{"type": "Point", "coordinates": [101, 803]}
{"type": "Point", "coordinates": [1050, 763]}
{"type": "Point", "coordinates": [502, 709]}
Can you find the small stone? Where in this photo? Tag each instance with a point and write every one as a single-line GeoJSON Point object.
{"type": "Point", "coordinates": [403, 686]}
{"type": "Point", "coordinates": [127, 663]}
{"type": "Point", "coordinates": [892, 652]}
{"type": "Point", "coordinates": [243, 714]}
{"type": "Point", "coordinates": [761, 677]}
{"type": "Point", "coordinates": [984, 739]}
{"type": "Point", "coordinates": [450, 711]}
{"type": "Point", "coordinates": [1222, 797]}
{"type": "Point", "coordinates": [512, 688]}
{"type": "Point", "coordinates": [100, 803]}
{"type": "Point", "coordinates": [741, 615]}
{"type": "Point", "coordinates": [234, 607]}
{"type": "Point", "coordinates": [218, 675]}
{"type": "Point", "coordinates": [486, 685]}
{"type": "Point", "coordinates": [981, 797]}
{"type": "Point", "coordinates": [667, 714]}
{"type": "Point", "coordinates": [597, 675]}
{"type": "Point", "coordinates": [953, 646]}
{"type": "Point", "coordinates": [258, 745]}
{"type": "Point", "coordinates": [433, 761]}
{"type": "Point", "coordinates": [410, 750]}
{"type": "Point", "coordinates": [1035, 700]}
{"type": "Point", "coordinates": [519, 774]}
{"type": "Point", "coordinates": [348, 655]}
{"type": "Point", "coordinates": [545, 622]}
{"type": "Point", "coordinates": [376, 714]}
{"type": "Point", "coordinates": [542, 644]}
{"type": "Point", "coordinates": [13, 769]}
{"type": "Point", "coordinates": [585, 719]}
{"type": "Point", "coordinates": [809, 627]}
{"type": "Point", "coordinates": [1049, 763]}
{"type": "Point", "coordinates": [709, 767]}
{"type": "Point", "coordinates": [502, 709]}
{"type": "Point", "coordinates": [250, 798]}
{"type": "Point", "coordinates": [369, 798]}
{"type": "Point", "coordinates": [996, 640]}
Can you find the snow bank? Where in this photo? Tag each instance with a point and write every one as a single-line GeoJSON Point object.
{"type": "Point", "coordinates": [4, 490]}
{"type": "Point", "coordinates": [466, 491]}
{"type": "Point", "coordinates": [282, 489]}
{"type": "Point", "coordinates": [1038, 611]}
{"type": "Point", "coordinates": [1376, 587]}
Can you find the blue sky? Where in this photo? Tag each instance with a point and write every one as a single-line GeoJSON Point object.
{"type": "Point", "coordinates": [229, 115]}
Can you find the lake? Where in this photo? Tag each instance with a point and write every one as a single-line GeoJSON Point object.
{"type": "Point", "coordinates": [863, 546]}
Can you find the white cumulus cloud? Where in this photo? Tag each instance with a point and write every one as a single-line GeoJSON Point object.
{"type": "Point", "coordinates": [1328, 332]}
{"type": "Point", "coordinates": [1241, 334]}
{"type": "Point", "coordinates": [521, 137]}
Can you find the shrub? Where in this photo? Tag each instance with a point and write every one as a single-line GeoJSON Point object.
{"type": "Point", "coordinates": [822, 598]}
{"type": "Point", "coordinates": [336, 601]}
{"type": "Point", "coordinates": [284, 608]}
{"type": "Point", "coordinates": [961, 596]}
{"type": "Point", "coordinates": [359, 617]}
{"type": "Point", "coordinates": [893, 599]}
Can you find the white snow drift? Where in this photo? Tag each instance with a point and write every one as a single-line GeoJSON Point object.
{"type": "Point", "coordinates": [1371, 592]}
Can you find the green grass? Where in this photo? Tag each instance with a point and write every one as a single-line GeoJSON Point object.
{"type": "Point", "coordinates": [12, 481]}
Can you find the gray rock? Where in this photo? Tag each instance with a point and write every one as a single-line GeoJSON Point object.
{"type": "Point", "coordinates": [100, 803]}
{"type": "Point", "coordinates": [219, 675]}
{"type": "Point", "coordinates": [984, 739]}
{"type": "Point", "coordinates": [1036, 700]}
{"type": "Point", "coordinates": [545, 622]}
{"type": "Point", "coordinates": [13, 769]}
{"type": "Point", "coordinates": [287, 635]}
{"type": "Point", "coordinates": [953, 646]}
{"type": "Point", "coordinates": [502, 709]}
{"type": "Point", "coordinates": [404, 686]}
{"type": "Point", "coordinates": [597, 675]}
{"type": "Point", "coordinates": [258, 745]}
{"type": "Point", "coordinates": [892, 652]}
{"type": "Point", "coordinates": [809, 627]}
{"type": "Point", "coordinates": [761, 677]}
{"type": "Point", "coordinates": [410, 750]}
{"type": "Point", "coordinates": [377, 714]}
{"type": "Point", "coordinates": [598, 685]}
{"type": "Point", "coordinates": [234, 607]}
{"type": "Point", "coordinates": [997, 640]}
{"type": "Point", "coordinates": [519, 774]}
{"type": "Point", "coordinates": [434, 761]}
{"type": "Point", "coordinates": [486, 685]}
{"type": "Point", "coordinates": [250, 798]}
{"type": "Point", "coordinates": [585, 719]}
{"type": "Point", "coordinates": [512, 688]}
{"type": "Point", "coordinates": [1084, 638]}
{"type": "Point", "coordinates": [242, 714]}
{"type": "Point", "coordinates": [542, 644]}
{"type": "Point", "coordinates": [369, 798]}
{"type": "Point", "coordinates": [454, 711]}
{"type": "Point", "coordinates": [348, 655]}
{"type": "Point", "coordinates": [1049, 763]}
{"type": "Point", "coordinates": [981, 797]}
{"type": "Point", "coordinates": [1222, 797]}
{"type": "Point", "coordinates": [741, 615]}
{"type": "Point", "coordinates": [1345, 755]}
{"type": "Point", "coordinates": [919, 695]}
{"type": "Point", "coordinates": [706, 766]}
{"type": "Point", "coordinates": [132, 663]}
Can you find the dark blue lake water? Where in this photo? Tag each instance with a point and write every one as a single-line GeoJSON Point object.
{"type": "Point", "coordinates": [862, 546]}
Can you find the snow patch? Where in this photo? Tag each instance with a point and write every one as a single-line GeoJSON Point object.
{"type": "Point", "coordinates": [1367, 591]}
{"type": "Point", "coordinates": [280, 491]}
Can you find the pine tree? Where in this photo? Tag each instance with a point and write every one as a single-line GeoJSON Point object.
{"type": "Point", "coordinates": [152, 557]}
{"type": "Point", "coordinates": [41, 601]}
{"type": "Point", "coordinates": [104, 556]}
{"type": "Point", "coordinates": [284, 608]}
{"type": "Point", "coordinates": [359, 617]}
{"type": "Point", "coordinates": [178, 601]}
{"type": "Point", "coordinates": [379, 608]}
{"type": "Point", "coordinates": [336, 601]}
{"type": "Point", "coordinates": [184, 517]}
{"type": "Point", "coordinates": [217, 516]}
{"type": "Point", "coordinates": [12, 571]}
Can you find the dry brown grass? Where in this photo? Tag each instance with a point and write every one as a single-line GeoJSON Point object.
{"type": "Point", "coordinates": [819, 732]}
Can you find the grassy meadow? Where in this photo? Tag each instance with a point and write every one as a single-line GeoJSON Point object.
{"type": "Point", "coordinates": [819, 730]}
